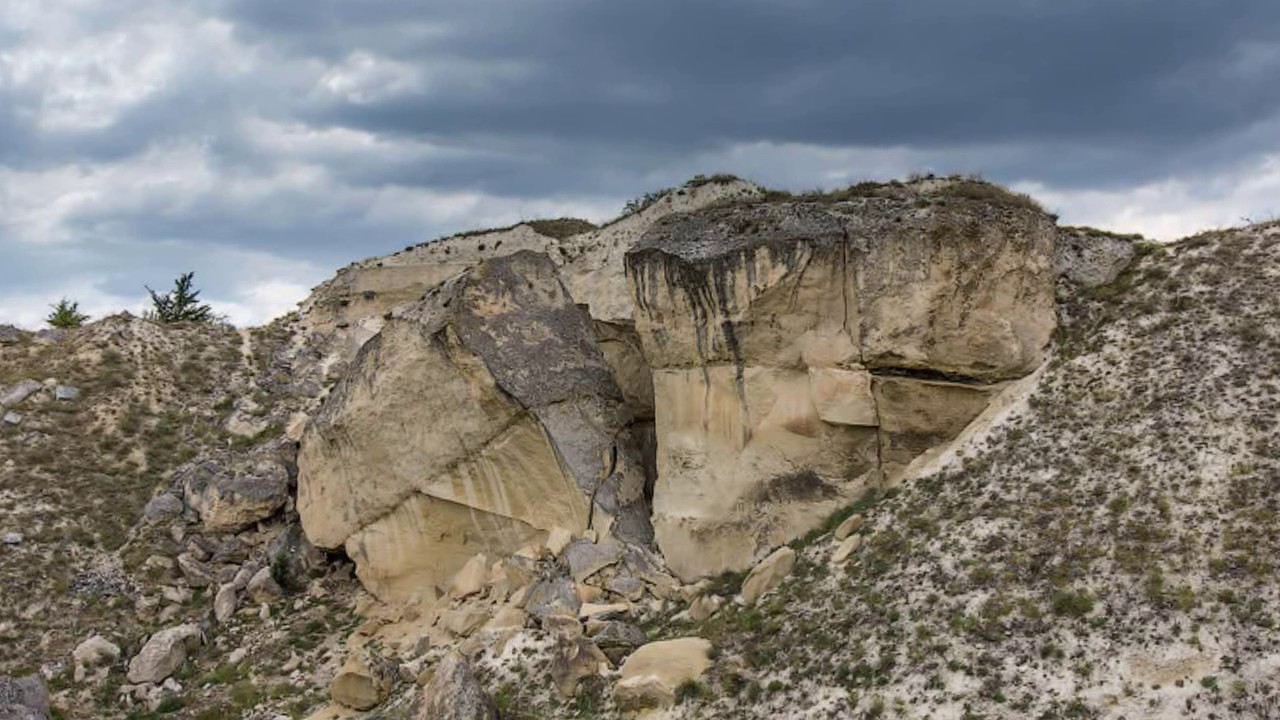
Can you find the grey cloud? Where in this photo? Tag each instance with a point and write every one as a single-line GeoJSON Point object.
{"type": "Point", "coordinates": [584, 103]}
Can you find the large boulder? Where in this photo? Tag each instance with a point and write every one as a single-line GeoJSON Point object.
{"type": "Point", "coordinates": [805, 352]}
{"type": "Point", "coordinates": [454, 693]}
{"type": "Point", "coordinates": [365, 680]}
{"type": "Point", "coordinates": [476, 422]}
{"type": "Point", "coordinates": [163, 654]}
{"type": "Point", "coordinates": [652, 674]}
{"type": "Point", "coordinates": [230, 493]}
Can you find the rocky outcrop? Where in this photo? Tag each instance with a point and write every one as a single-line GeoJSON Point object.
{"type": "Point", "coordinates": [804, 351]}
{"type": "Point", "coordinates": [478, 421]}
{"type": "Point", "coordinates": [1089, 257]}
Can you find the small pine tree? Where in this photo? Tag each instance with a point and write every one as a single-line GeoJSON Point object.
{"type": "Point", "coordinates": [66, 314]}
{"type": "Point", "coordinates": [181, 304]}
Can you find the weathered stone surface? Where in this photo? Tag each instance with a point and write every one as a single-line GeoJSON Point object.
{"type": "Point", "coordinates": [163, 654]}
{"type": "Point", "coordinates": [454, 693]}
{"type": "Point", "coordinates": [196, 573]}
{"type": "Point", "coordinates": [916, 415]}
{"type": "Point", "coordinates": [769, 327]}
{"type": "Point", "coordinates": [846, 548]}
{"type": "Point", "coordinates": [652, 674]}
{"type": "Point", "coordinates": [1089, 257]}
{"type": "Point", "coordinates": [10, 335]}
{"type": "Point", "coordinates": [94, 652]}
{"type": "Point", "coordinates": [553, 597]}
{"type": "Point", "coordinates": [230, 493]}
{"type": "Point", "coordinates": [66, 393]}
{"type": "Point", "coordinates": [163, 508]}
{"type": "Point", "coordinates": [18, 392]}
{"type": "Point", "coordinates": [23, 698]}
{"type": "Point", "coordinates": [224, 602]}
{"type": "Point", "coordinates": [12, 418]}
{"type": "Point", "coordinates": [768, 574]}
{"type": "Point", "coordinates": [263, 588]}
{"type": "Point", "coordinates": [477, 422]}
{"type": "Point", "coordinates": [575, 659]}
{"type": "Point", "coordinates": [850, 526]}
{"type": "Point", "coordinates": [586, 558]}
{"type": "Point", "coordinates": [618, 639]}
{"type": "Point", "coordinates": [365, 681]}
{"type": "Point", "coordinates": [471, 578]}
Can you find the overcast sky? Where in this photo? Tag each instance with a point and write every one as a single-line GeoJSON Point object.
{"type": "Point", "coordinates": [264, 143]}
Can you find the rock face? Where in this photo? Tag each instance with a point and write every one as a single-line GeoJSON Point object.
{"type": "Point", "coordinates": [802, 352]}
{"type": "Point", "coordinates": [163, 654]}
{"type": "Point", "coordinates": [1090, 257]}
{"type": "Point", "coordinates": [479, 420]}
{"type": "Point", "coordinates": [455, 694]}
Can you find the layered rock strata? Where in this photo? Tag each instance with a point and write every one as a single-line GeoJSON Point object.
{"type": "Point", "coordinates": [802, 352]}
{"type": "Point", "coordinates": [477, 421]}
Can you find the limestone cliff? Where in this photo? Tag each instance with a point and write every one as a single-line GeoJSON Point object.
{"type": "Point", "coordinates": [804, 349]}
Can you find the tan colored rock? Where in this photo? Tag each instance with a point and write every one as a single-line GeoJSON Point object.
{"type": "Point", "coordinates": [163, 653]}
{"type": "Point", "coordinates": [224, 602]}
{"type": "Point", "coordinates": [851, 525]}
{"type": "Point", "coordinates": [477, 422]}
{"type": "Point", "coordinates": [779, 336]}
{"type": "Point", "coordinates": [573, 660]}
{"type": "Point", "coordinates": [746, 464]}
{"type": "Point", "coordinates": [464, 620]}
{"type": "Point", "coordinates": [263, 587]}
{"type": "Point", "coordinates": [768, 574]}
{"type": "Point", "coordinates": [610, 611]}
{"type": "Point", "coordinates": [702, 608]}
{"type": "Point", "coordinates": [916, 415]}
{"type": "Point", "coordinates": [471, 579]}
{"type": "Point", "coordinates": [652, 674]}
{"type": "Point", "coordinates": [557, 540]}
{"type": "Point", "coordinates": [94, 652]}
{"type": "Point", "coordinates": [507, 618]}
{"type": "Point", "coordinates": [365, 681]}
{"type": "Point", "coordinates": [846, 548]}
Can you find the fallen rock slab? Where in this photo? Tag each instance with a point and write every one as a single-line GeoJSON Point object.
{"type": "Point", "coordinates": [653, 673]}
{"type": "Point", "coordinates": [768, 574]}
{"type": "Point", "coordinates": [163, 654]}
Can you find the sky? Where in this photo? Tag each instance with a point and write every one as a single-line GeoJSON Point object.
{"type": "Point", "coordinates": [265, 143]}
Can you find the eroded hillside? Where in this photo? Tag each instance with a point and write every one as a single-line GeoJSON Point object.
{"type": "Point", "coordinates": [1107, 550]}
{"type": "Point", "coordinates": [960, 462]}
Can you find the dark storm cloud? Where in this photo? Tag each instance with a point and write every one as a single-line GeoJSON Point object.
{"type": "Point", "coordinates": [939, 73]}
{"type": "Point", "coordinates": [140, 136]}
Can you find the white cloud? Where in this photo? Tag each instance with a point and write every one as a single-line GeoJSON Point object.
{"type": "Point", "coordinates": [1173, 207]}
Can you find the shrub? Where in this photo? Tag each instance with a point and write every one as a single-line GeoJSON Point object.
{"type": "Point", "coordinates": [180, 304]}
{"type": "Point", "coordinates": [66, 314]}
